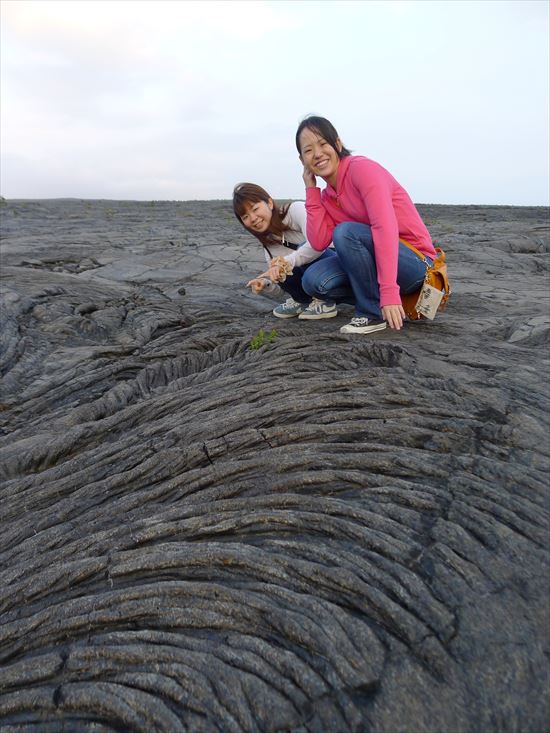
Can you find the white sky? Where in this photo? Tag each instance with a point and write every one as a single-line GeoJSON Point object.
{"type": "Point", "coordinates": [134, 99]}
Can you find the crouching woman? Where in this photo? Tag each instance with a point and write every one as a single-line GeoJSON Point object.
{"type": "Point", "coordinates": [313, 279]}
{"type": "Point", "coordinates": [368, 216]}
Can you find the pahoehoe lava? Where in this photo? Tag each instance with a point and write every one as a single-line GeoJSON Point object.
{"type": "Point", "coordinates": [324, 534]}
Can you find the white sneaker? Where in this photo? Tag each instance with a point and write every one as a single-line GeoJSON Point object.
{"type": "Point", "coordinates": [363, 325]}
{"type": "Point", "coordinates": [289, 309]}
{"type": "Point", "coordinates": [318, 309]}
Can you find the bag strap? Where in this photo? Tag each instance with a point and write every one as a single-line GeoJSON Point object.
{"type": "Point", "coordinates": [417, 252]}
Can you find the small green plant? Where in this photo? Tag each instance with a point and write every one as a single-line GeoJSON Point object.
{"type": "Point", "coordinates": [262, 338]}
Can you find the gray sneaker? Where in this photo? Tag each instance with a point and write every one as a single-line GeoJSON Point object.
{"type": "Point", "coordinates": [289, 309]}
{"type": "Point", "coordinates": [318, 309]}
{"type": "Point", "coordinates": [363, 325]}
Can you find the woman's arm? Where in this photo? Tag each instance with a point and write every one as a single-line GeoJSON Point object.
{"type": "Point", "coordinates": [297, 220]}
{"type": "Point", "coordinates": [319, 224]}
{"type": "Point", "coordinates": [375, 188]}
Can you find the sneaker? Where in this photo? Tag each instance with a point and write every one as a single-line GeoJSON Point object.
{"type": "Point", "coordinates": [319, 309]}
{"type": "Point", "coordinates": [363, 325]}
{"type": "Point", "coordinates": [288, 309]}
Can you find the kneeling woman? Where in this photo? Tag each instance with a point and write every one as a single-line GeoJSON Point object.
{"type": "Point", "coordinates": [282, 233]}
{"type": "Point", "coordinates": [367, 215]}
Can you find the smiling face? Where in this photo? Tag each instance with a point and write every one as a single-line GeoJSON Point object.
{"type": "Point", "coordinates": [318, 155]}
{"type": "Point", "coordinates": [257, 215]}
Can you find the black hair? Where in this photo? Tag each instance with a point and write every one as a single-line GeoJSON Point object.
{"type": "Point", "coordinates": [325, 129]}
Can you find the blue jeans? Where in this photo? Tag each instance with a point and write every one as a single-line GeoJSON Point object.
{"type": "Point", "coordinates": [324, 278]}
{"type": "Point", "coordinates": [355, 248]}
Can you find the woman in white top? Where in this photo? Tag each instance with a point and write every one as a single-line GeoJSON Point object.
{"type": "Point", "coordinates": [317, 281]}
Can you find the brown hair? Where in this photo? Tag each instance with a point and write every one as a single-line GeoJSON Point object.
{"type": "Point", "coordinates": [325, 129]}
{"type": "Point", "coordinates": [250, 193]}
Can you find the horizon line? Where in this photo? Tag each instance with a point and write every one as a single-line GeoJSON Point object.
{"type": "Point", "coordinates": [3, 199]}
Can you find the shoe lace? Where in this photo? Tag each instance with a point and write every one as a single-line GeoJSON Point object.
{"type": "Point", "coordinates": [289, 303]}
{"type": "Point", "coordinates": [359, 321]}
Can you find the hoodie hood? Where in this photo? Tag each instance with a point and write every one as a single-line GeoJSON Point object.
{"type": "Point", "coordinates": [343, 167]}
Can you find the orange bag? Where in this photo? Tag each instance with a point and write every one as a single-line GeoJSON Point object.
{"type": "Point", "coordinates": [436, 276]}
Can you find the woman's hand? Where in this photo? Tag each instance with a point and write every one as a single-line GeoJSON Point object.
{"type": "Point", "coordinates": [309, 179]}
{"type": "Point", "coordinates": [257, 285]}
{"type": "Point", "coordinates": [394, 315]}
{"type": "Point", "coordinates": [279, 268]}
{"type": "Point", "coordinates": [275, 274]}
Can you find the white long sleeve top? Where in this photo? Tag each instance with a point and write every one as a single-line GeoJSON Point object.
{"type": "Point", "coordinates": [295, 219]}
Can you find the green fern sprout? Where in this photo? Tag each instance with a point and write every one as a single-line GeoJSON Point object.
{"type": "Point", "coordinates": [262, 338]}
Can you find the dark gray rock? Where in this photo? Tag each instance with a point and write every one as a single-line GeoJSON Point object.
{"type": "Point", "coordinates": [322, 534]}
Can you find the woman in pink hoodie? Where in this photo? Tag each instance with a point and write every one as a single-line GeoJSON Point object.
{"type": "Point", "coordinates": [365, 212]}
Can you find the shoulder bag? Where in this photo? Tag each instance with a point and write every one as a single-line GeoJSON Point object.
{"type": "Point", "coordinates": [435, 290]}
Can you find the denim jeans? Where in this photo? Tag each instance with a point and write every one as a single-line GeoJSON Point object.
{"type": "Point", "coordinates": [355, 248]}
{"type": "Point", "coordinates": [326, 279]}
{"type": "Point", "coordinates": [295, 284]}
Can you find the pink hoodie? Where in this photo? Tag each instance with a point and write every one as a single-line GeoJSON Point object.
{"type": "Point", "coordinates": [367, 193]}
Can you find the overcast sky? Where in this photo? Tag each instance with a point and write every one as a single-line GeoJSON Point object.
{"type": "Point", "coordinates": [180, 100]}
